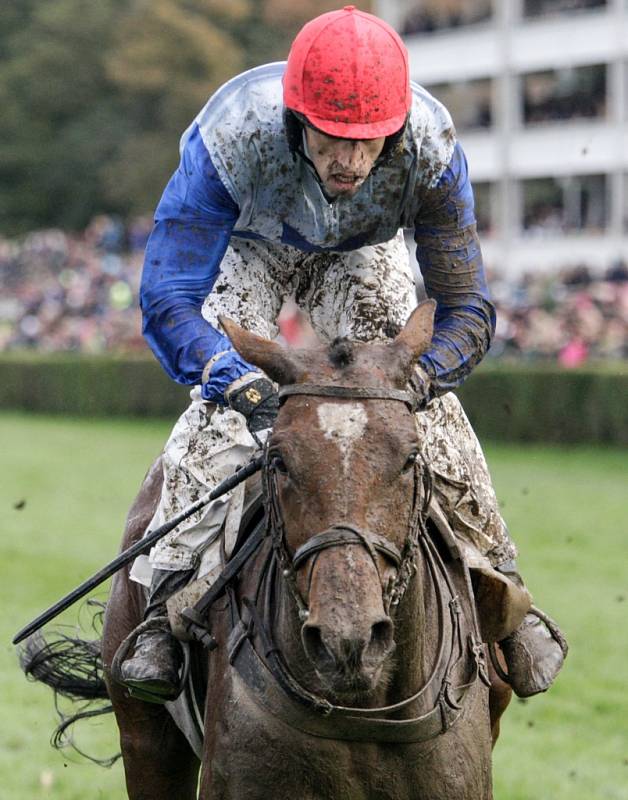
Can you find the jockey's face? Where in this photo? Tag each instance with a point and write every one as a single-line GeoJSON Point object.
{"type": "Point", "coordinates": [342, 164]}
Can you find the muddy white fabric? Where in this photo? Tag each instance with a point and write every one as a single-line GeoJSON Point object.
{"type": "Point", "coordinates": [364, 295]}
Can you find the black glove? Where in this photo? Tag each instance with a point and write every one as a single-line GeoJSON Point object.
{"type": "Point", "coordinates": [258, 402]}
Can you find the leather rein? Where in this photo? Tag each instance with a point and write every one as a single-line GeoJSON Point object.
{"type": "Point", "coordinates": [266, 673]}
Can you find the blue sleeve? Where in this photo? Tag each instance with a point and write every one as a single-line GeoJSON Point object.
{"type": "Point", "coordinates": [450, 259]}
{"type": "Point", "coordinates": [193, 225]}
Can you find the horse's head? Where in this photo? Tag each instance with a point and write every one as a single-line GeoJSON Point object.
{"type": "Point", "coordinates": [344, 483]}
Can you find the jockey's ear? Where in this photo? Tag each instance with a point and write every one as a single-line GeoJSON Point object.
{"type": "Point", "coordinates": [269, 356]}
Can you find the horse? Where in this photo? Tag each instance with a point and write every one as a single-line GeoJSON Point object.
{"type": "Point", "coordinates": [350, 661]}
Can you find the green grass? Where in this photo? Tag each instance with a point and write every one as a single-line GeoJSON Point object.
{"type": "Point", "coordinates": [77, 479]}
{"type": "Point", "coordinates": [565, 510]}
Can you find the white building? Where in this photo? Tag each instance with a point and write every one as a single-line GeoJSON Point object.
{"type": "Point", "coordinates": [538, 92]}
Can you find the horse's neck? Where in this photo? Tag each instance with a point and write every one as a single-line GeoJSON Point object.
{"type": "Point", "coordinates": [416, 634]}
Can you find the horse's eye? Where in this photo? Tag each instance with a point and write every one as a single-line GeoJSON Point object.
{"type": "Point", "coordinates": [410, 461]}
{"type": "Point", "coordinates": [277, 463]}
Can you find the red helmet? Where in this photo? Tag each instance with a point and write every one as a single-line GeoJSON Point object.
{"type": "Point", "coordinates": [347, 73]}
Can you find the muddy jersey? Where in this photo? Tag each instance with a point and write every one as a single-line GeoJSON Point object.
{"type": "Point", "coordinates": [238, 178]}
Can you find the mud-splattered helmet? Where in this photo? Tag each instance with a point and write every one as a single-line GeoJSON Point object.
{"type": "Point", "coordinates": [347, 74]}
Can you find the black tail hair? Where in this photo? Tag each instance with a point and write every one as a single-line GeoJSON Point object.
{"type": "Point", "coordinates": [72, 667]}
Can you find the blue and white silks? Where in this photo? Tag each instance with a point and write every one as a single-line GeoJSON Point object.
{"type": "Point", "coordinates": [238, 178]}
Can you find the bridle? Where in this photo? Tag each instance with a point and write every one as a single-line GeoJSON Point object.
{"type": "Point", "coordinates": [262, 666]}
{"type": "Point", "coordinates": [344, 534]}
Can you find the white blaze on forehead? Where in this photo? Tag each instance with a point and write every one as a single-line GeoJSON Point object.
{"type": "Point", "coordinates": [344, 423]}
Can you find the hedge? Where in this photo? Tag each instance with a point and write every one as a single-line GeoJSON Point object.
{"type": "Point", "coordinates": [81, 385]}
{"type": "Point", "coordinates": [548, 404]}
{"type": "Point", "coordinates": [513, 402]}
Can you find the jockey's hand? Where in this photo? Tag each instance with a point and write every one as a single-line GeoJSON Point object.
{"type": "Point", "coordinates": [258, 402]}
{"type": "Point", "coordinates": [420, 384]}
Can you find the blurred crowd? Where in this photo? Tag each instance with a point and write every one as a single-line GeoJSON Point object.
{"type": "Point", "coordinates": [569, 93]}
{"type": "Point", "coordinates": [570, 318]}
{"type": "Point", "coordinates": [70, 292]}
{"type": "Point", "coordinates": [538, 8]}
{"type": "Point", "coordinates": [429, 16]}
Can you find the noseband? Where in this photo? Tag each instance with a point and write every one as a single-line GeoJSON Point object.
{"type": "Point", "coordinates": [343, 534]}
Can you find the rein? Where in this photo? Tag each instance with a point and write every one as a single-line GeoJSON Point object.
{"type": "Point", "coordinates": [267, 674]}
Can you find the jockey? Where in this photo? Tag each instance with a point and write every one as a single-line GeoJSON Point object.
{"type": "Point", "coordinates": [296, 180]}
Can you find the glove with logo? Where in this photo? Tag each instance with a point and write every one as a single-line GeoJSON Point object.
{"type": "Point", "coordinates": [258, 402]}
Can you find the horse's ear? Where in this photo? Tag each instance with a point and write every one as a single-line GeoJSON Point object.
{"type": "Point", "coordinates": [417, 332]}
{"type": "Point", "coordinates": [269, 356]}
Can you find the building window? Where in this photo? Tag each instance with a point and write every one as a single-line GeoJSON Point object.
{"type": "Point", "coordinates": [552, 206]}
{"type": "Point", "coordinates": [541, 8]}
{"type": "Point", "coordinates": [428, 16]}
{"type": "Point", "coordinates": [573, 93]}
{"type": "Point", "coordinates": [482, 193]}
{"type": "Point", "coordinates": [470, 103]}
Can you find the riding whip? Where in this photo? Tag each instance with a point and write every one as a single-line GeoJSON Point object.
{"type": "Point", "coordinates": [139, 548]}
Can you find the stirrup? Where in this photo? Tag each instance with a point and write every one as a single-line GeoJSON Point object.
{"type": "Point", "coordinates": [137, 692]}
{"type": "Point", "coordinates": [552, 627]}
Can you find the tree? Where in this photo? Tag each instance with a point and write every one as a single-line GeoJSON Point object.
{"type": "Point", "coordinates": [95, 95]}
{"type": "Point", "coordinates": [59, 112]}
{"type": "Point", "coordinates": [166, 60]}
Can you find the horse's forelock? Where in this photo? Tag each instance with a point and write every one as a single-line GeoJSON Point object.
{"type": "Point", "coordinates": [341, 352]}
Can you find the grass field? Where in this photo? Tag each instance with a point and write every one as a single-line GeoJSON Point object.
{"type": "Point", "coordinates": [64, 491]}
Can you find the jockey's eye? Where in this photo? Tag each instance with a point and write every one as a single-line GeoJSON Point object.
{"type": "Point", "coordinates": [410, 461]}
{"type": "Point", "coordinates": [277, 463]}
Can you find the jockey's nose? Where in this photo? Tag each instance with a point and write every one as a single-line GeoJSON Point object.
{"type": "Point", "coordinates": [351, 154]}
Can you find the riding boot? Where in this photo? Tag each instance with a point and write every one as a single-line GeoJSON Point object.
{"type": "Point", "coordinates": [152, 673]}
{"type": "Point", "coordinates": [535, 651]}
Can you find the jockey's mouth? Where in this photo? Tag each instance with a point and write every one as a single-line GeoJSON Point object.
{"type": "Point", "coordinates": [342, 182]}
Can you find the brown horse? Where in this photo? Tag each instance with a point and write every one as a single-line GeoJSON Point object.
{"type": "Point", "coordinates": [349, 663]}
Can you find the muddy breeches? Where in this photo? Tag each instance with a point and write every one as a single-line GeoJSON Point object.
{"type": "Point", "coordinates": [207, 444]}
{"type": "Point", "coordinates": [364, 295]}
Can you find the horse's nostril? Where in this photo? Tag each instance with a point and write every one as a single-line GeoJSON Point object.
{"type": "Point", "coordinates": [381, 637]}
{"type": "Point", "coordinates": [314, 646]}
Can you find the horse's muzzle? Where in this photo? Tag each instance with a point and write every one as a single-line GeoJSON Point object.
{"type": "Point", "coordinates": [349, 661]}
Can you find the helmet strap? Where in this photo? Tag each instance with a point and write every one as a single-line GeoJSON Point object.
{"type": "Point", "coordinates": [295, 125]}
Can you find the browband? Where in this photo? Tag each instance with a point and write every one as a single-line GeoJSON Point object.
{"type": "Point", "coordinates": [352, 392]}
